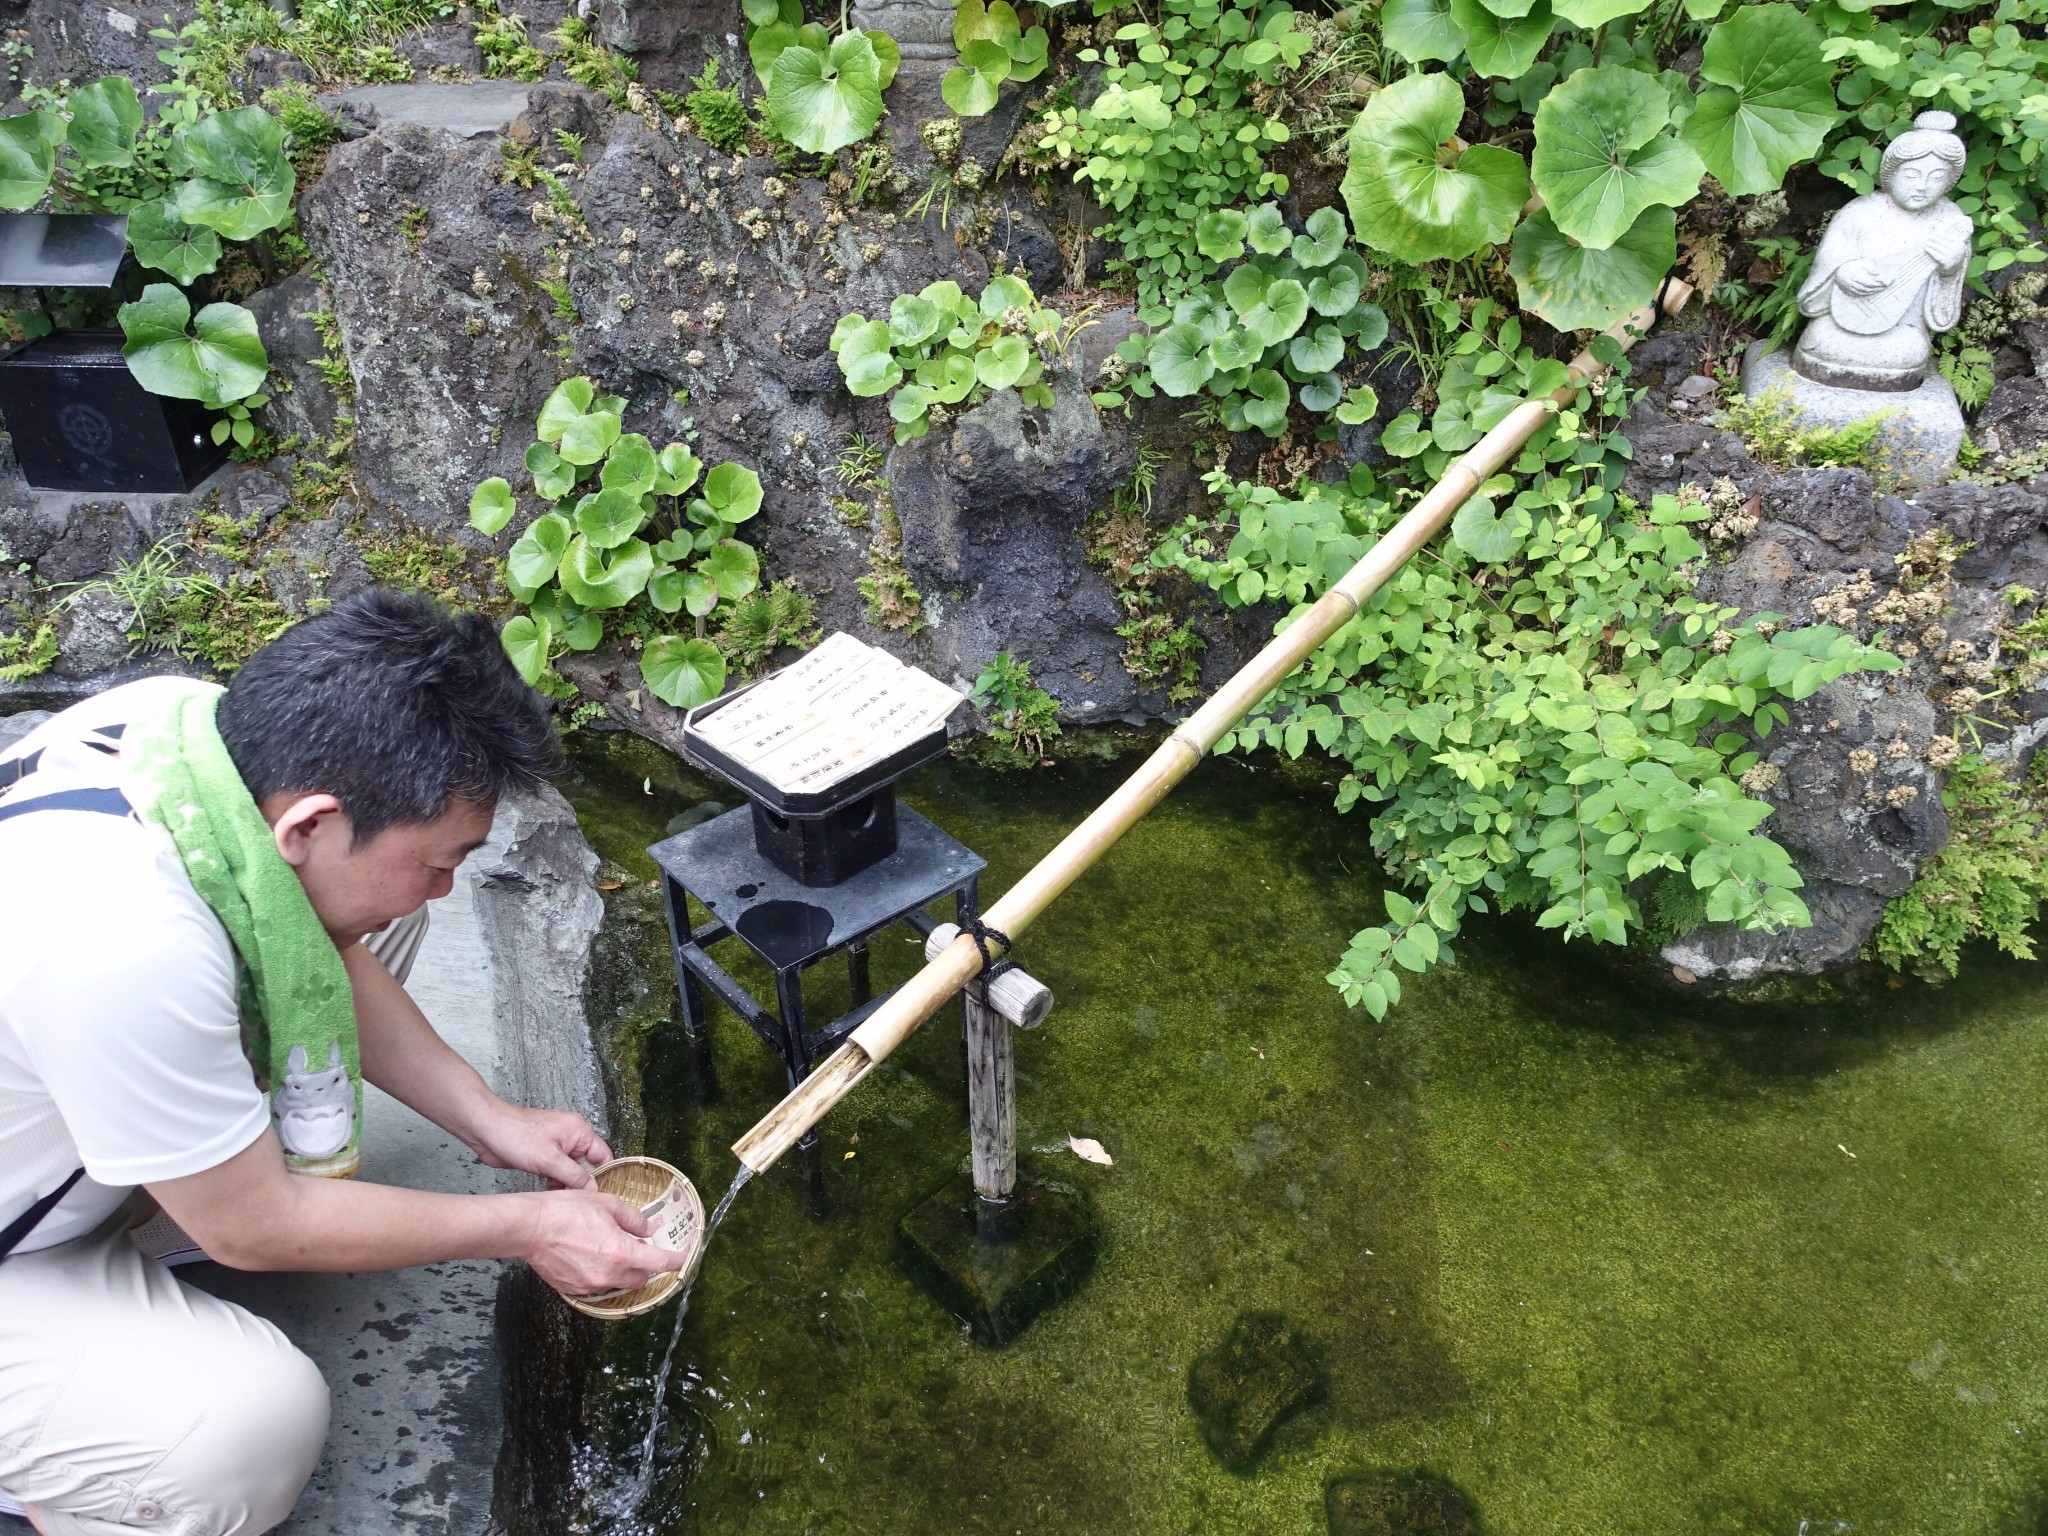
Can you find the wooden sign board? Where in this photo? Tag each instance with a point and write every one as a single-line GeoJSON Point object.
{"type": "Point", "coordinates": [827, 715]}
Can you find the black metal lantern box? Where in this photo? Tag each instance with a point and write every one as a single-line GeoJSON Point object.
{"type": "Point", "coordinates": [79, 419]}
{"type": "Point", "coordinates": [822, 836]}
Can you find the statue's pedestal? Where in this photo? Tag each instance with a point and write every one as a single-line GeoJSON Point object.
{"type": "Point", "coordinates": [1918, 441]}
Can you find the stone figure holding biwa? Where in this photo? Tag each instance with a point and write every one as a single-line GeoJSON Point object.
{"type": "Point", "coordinates": [1887, 279]}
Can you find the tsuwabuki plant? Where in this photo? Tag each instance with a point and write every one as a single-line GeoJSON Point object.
{"type": "Point", "coordinates": [823, 92]}
{"type": "Point", "coordinates": [940, 350]}
{"type": "Point", "coordinates": [618, 529]}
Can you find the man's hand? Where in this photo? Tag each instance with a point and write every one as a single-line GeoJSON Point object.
{"type": "Point", "coordinates": [585, 1241]}
{"type": "Point", "coordinates": [1860, 278]}
{"type": "Point", "coordinates": [1949, 248]}
{"type": "Point", "coordinates": [552, 1143]}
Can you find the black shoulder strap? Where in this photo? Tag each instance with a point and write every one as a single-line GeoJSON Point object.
{"type": "Point", "coordinates": [25, 1223]}
{"type": "Point", "coordinates": [108, 802]}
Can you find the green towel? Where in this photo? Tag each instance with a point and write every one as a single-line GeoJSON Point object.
{"type": "Point", "coordinates": [298, 1013]}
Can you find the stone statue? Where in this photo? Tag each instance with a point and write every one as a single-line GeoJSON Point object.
{"type": "Point", "coordinates": [923, 29]}
{"type": "Point", "coordinates": [1887, 278]}
{"type": "Point", "coordinates": [1889, 271]}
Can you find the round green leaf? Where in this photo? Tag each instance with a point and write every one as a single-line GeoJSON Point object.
{"type": "Point", "coordinates": [630, 466]}
{"type": "Point", "coordinates": [767, 44]}
{"type": "Point", "coordinates": [1219, 235]}
{"type": "Point", "coordinates": [1366, 326]}
{"type": "Point", "coordinates": [1235, 348]}
{"type": "Point", "coordinates": [1265, 230]}
{"type": "Point", "coordinates": [761, 13]}
{"type": "Point", "coordinates": [1403, 201]}
{"type": "Point", "coordinates": [1317, 351]}
{"type": "Point", "coordinates": [1359, 406]}
{"type": "Point", "coordinates": [610, 517]}
{"type": "Point", "coordinates": [1486, 536]}
{"type": "Point", "coordinates": [1322, 239]}
{"type": "Point", "coordinates": [1602, 155]}
{"type": "Point", "coordinates": [910, 403]}
{"type": "Point", "coordinates": [1769, 103]}
{"type": "Point", "coordinates": [1578, 289]}
{"type": "Point", "coordinates": [1502, 46]}
{"type": "Point", "coordinates": [553, 476]}
{"type": "Point", "coordinates": [734, 567]}
{"type": "Point", "coordinates": [682, 673]}
{"type": "Point", "coordinates": [1280, 313]}
{"type": "Point", "coordinates": [1180, 360]}
{"type": "Point", "coordinates": [677, 470]}
{"type": "Point", "coordinates": [865, 358]}
{"type": "Point", "coordinates": [1419, 31]}
{"type": "Point", "coordinates": [1003, 364]}
{"type": "Point", "coordinates": [1004, 294]}
{"type": "Point", "coordinates": [596, 581]}
{"type": "Point", "coordinates": [576, 629]}
{"type": "Point", "coordinates": [27, 161]}
{"type": "Point", "coordinates": [913, 321]}
{"type": "Point", "coordinates": [586, 439]}
{"type": "Point", "coordinates": [526, 642]}
{"type": "Point", "coordinates": [665, 588]}
{"type": "Point", "coordinates": [537, 553]}
{"type": "Point", "coordinates": [220, 360]}
{"type": "Point", "coordinates": [1335, 289]}
{"type": "Point", "coordinates": [734, 492]}
{"type": "Point", "coordinates": [1321, 391]}
{"type": "Point", "coordinates": [700, 593]}
{"type": "Point", "coordinates": [822, 102]}
{"type": "Point", "coordinates": [105, 117]}
{"type": "Point", "coordinates": [1267, 407]}
{"type": "Point", "coordinates": [165, 243]}
{"type": "Point", "coordinates": [969, 92]}
{"type": "Point", "coordinates": [491, 507]}
{"type": "Point", "coordinates": [569, 400]}
{"type": "Point", "coordinates": [1595, 13]}
{"type": "Point", "coordinates": [888, 54]}
{"type": "Point", "coordinates": [241, 182]}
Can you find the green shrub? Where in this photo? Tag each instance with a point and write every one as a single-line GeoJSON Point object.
{"type": "Point", "coordinates": [1988, 882]}
{"type": "Point", "coordinates": [717, 111]}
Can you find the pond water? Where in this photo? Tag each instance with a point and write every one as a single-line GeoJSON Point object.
{"type": "Point", "coordinates": [1608, 1256]}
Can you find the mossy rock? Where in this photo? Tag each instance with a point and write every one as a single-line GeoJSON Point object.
{"type": "Point", "coordinates": [1398, 1504]}
{"type": "Point", "coordinates": [1244, 1388]}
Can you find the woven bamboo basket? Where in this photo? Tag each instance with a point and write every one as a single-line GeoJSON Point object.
{"type": "Point", "coordinates": [672, 1203]}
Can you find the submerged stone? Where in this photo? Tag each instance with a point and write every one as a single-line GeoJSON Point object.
{"type": "Point", "coordinates": [1398, 1504]}
{"type": "Point", "coordinates": [1042, 1248]}
{"type": "Point", "coordinates": [1241, 1390]}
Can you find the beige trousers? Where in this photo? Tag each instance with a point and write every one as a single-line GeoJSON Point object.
{"type": "Point", "coordinates": [130, 1402]}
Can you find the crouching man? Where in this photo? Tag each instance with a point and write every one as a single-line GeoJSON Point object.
{"type": "Point", "coordinates": [188, 1007]}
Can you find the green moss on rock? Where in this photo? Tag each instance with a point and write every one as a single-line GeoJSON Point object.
{"type": "Point", "coordinates": [1241, 1390]}
{"type": "Point", "coordinates": [1398, 1504]}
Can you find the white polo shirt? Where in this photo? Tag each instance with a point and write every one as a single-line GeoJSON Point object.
{"type": "Point", "coordinates": [120, 1031]}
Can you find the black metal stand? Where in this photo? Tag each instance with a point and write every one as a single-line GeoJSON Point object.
{"type": "Point", "coordinates": [792, 926]}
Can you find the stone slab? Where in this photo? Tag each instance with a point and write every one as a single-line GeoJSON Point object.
{"type": "Point", "coordinates": [1046, 1249]}
{"type": "Point", "coordinates": [469, 110]}
{"type": "Point", "coordinates": [1262, 1372]}
{"type": "Point", "coordinates": [1397, 1504]}
{"type": "Point", "coordinates": [1918, 442]}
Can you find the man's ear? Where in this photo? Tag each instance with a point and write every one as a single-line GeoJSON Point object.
{"type": "Point", "coordinates": [297, 821]}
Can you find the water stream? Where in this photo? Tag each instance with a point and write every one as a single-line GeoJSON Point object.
{"type": "Point", "coordinates": [656, 1419]}
{"type": "Point", "coordinates": [1609, 1255]}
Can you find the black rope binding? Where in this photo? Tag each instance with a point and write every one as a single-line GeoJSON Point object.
{"type": "Point", "coordinates": [983, 935]}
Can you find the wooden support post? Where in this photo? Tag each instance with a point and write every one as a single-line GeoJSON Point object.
{"type": "Point", "coordinates": [1016, 1000]}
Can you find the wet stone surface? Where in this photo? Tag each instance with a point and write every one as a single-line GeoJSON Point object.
{"type": "Point", "coordinates": [1044, 1248]}
{"type": "Point", "coordinates": [1241, 1391]}
{"type": "Point", "coordinates": [1398, 1504]}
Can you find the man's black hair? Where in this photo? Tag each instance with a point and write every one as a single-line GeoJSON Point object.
{"type": "Point", "coordinates": [391, 704]}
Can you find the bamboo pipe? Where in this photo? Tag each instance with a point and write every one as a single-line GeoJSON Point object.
{"type": "Point", "coordinates": [926, 992]}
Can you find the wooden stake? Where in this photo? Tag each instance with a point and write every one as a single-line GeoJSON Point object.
{"type": "Point", "coordinates": [991, 1099]}
{"type": "Point", "coordinates": [923, 995]}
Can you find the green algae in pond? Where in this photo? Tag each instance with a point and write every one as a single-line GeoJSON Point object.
{"type": "Point", "coordinates": [1605, 1260]}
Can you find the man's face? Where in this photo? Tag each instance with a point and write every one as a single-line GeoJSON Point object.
{"type": "Point", "coordinates": [362, 889]}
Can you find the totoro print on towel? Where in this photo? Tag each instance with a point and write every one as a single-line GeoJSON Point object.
{"type": "Point", "coordinates": [315, 1108]}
